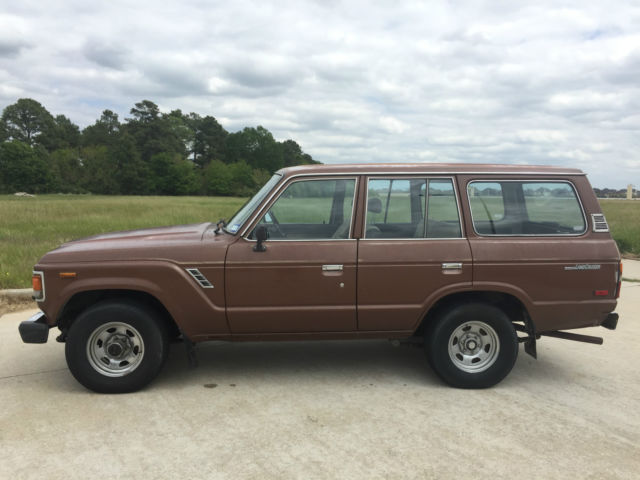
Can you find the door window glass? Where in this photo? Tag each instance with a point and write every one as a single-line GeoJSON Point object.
{"type": "Point", "coordinates": [395, 207]}
{"type": "Point", "coordinates": [443, 220]}
{"type": "Point", "coordinates": [311, 210]}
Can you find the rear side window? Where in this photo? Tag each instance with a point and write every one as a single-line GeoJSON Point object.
{"type": "Point", "coordinates": [412, 208]}
{"type": "Point", "coordinates": [395, 208]}
{"type": "Point", "coordinates": [443, 220]}
{"type": "Point", "coordinates": [525, 208]}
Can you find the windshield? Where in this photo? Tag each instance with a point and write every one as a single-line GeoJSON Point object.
{"type": "Point", "coordinates": [239, 218]}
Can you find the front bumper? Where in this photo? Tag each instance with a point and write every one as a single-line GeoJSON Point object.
{"type": "Point", "coordinates": [35, 330]}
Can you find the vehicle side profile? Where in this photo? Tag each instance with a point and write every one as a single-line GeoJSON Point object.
{"type": "Point", "coordinates": [469, 260]}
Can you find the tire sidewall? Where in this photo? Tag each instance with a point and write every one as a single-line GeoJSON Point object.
{"type": "Point", "coordinates": [448, 321]}
{"type": "Point", "coordinates": [139, 317]}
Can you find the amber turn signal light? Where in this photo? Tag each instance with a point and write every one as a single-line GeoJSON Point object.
{"type": "Point", "coordinates": [36, 283]}
{"type": "Point", "coordinates": [67, 275]}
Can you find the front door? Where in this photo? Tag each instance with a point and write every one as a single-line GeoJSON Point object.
{"type": "Point", "coordinates": [305, 280]}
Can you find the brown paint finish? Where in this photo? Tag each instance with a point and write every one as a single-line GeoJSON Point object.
{"type": "Point", "coordinates": [197, 311]}
{"type": "Point", "coordinates": [385, 287]}
{"type": "Point", "coordinates": [153, 261]}
{"type": "Point", "coordinates": [396, 278]}
{"type": "Point", "coordinates": [538, 269]}
{"type": "Point", "coordinates": [285, 289]}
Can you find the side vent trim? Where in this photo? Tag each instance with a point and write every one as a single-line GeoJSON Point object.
{"type": "Point", "coordinates": [199, 277]}
{"type": "Point", "coordinates": [599, 222]}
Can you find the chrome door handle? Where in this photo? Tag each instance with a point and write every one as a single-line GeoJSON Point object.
{"type": "Point", "coordinates": [331, 268]}
{"type": "Point", "coordinates": [451, 266]}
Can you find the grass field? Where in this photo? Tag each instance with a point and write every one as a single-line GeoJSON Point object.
{"type": "Point", "coordinates": [29, 227]}
{"type": "Point", "coordinates": [624, 221]}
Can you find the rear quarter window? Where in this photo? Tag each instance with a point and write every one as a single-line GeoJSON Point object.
{"type": "Point", "coordinates": [525, 208]}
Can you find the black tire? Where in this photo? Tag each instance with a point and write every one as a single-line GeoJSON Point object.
{"type": "Point", "coordinates": [480, 354]}
{"type": "Point", "coordinates": [136, 336]}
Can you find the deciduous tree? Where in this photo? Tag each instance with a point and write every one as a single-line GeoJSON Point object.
{"type": "Point", "coordinates": [104, 131]}
{"type": "Point", "coordinates": [26, 120]}
{"type": "Point", "coordinates": [23, 169]}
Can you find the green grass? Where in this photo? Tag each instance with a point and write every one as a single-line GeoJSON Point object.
{"type": "Point", "coordinates": [30, 227]}
{"type": "Point", "coordinates": [623, 217]}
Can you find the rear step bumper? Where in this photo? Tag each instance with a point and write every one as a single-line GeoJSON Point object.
{"type": "Point", "coordinates": [574, 336]}
{"type": "Point", "coordinates": [611, 322]}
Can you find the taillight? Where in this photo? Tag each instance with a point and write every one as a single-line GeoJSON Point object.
{"type": "Point", "coordinates": [37, 282]}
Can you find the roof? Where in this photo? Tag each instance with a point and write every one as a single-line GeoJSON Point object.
{"type": "Point", "coordinates": [430, 168]}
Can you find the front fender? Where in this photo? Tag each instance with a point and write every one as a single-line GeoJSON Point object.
{"type": "Point", "coordinates": [195, 310]}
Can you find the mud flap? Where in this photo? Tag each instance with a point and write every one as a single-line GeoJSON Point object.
{"type": "Point", "coordinates": [530, 340]}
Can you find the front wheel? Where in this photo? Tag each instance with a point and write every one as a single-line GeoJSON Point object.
{"type": "Point", "coordinates": [116, 346]}
{"type": "Point", "coordinates": [472, 345]}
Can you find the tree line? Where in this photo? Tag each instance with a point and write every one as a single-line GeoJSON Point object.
{"type": "Point", "coordinates": [613, 193]}
{"type": "Point", "coordinates": [150, 153]}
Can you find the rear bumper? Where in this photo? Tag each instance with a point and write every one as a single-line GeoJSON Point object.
{"type": "Point", "coordinates": [611, 322]}
{"type": "Point", "coordinates": [35, 330]}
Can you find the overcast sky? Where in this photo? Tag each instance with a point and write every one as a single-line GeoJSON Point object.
{"type": "Point", "coordinates": [551, 83]}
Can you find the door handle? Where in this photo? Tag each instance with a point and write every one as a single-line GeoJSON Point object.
{"type": "Point", "coordinates": [331, 268]}
{"type": "Point", "coordinates": [452, 266]}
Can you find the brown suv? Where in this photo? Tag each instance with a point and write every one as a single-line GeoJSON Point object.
{"type": "Point", "coordinates": [459, 257]}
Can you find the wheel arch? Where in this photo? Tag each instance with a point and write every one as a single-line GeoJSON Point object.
{"type": "Point", "coordinates": [510, 304]}
{"type": "Point", "coordinates": [80, 301]}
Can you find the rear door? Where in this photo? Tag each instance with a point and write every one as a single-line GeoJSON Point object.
{"type": "Point", "coordinates": [413, 250]}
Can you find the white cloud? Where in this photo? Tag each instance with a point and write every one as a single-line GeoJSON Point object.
{"type": "Point", "coordinates": [392, 125]}
{"type": "Point", "coordinates": [541, 136]}
{"type": "Point", "coordinates": [352, 81]}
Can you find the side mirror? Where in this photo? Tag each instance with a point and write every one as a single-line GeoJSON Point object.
{"type": "Point", "coordinates": [261, 234]}
{"type": "Point", "coordinates": [219, 226]}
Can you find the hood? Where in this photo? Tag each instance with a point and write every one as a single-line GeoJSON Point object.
{"type": "Point", "coordinates": [180, 243]}
{"type": "Point", "coordinates": [146, 234]}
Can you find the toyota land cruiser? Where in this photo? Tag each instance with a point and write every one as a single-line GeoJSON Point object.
{"type": "Point", "coordinates": [468, 260]}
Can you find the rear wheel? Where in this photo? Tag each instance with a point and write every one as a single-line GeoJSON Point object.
{"type": "Point", "coordinates": [116, 346]}
{"type": "Point", "coordinates": [472, 345]}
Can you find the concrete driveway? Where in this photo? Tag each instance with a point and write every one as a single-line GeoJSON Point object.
{"type": "Point", "coordinates": [327, 410]}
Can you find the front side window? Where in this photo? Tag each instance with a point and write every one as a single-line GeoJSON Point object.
{"type": "Point", "coordinates": [525, 208]}
{"type": "Point", "coordinates": [402, 208]}
{"type": "Point", "coordinates": [311, 210]}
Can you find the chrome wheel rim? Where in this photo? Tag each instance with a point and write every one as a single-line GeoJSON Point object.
{"type": "Point", "coordinates": [474, 346]}
{"type": "Point", "coordinates": [115, 349]}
